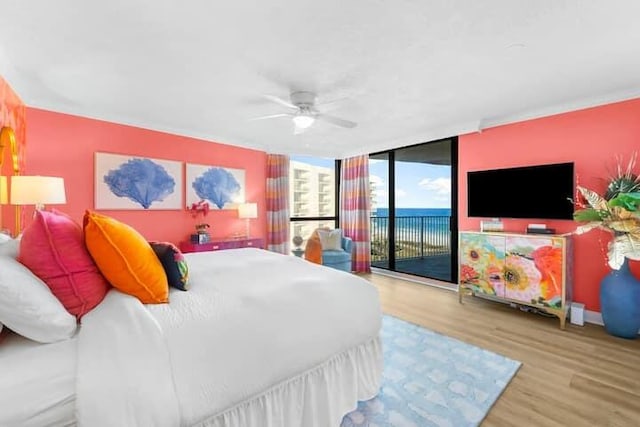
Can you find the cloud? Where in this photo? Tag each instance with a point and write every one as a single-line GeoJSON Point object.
{"type": "Point", "coordinates": [401, 193]}
{"type": "Point", "coordinates": [376, 181]}
{"type": "Point", "coordinates": [440, 185]}
{"type": "Point", "coordinates": [374, 161]}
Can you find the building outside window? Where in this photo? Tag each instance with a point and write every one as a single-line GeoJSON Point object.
{"type": "Point", "coordinates": [312, 195]}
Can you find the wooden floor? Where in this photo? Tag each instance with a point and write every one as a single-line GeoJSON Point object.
{"type": "Point", "coordinates": [577, 377]}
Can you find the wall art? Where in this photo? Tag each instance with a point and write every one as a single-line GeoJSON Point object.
{"type": "Point", "coordinates": [223, 188]}
{"type": "Point", "coordinates": [129, 182]}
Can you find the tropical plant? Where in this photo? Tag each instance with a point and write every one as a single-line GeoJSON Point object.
{"type": "Point", "coordinates": [623, 180]}
{"type": "Point", "coordinates": [617, 212]}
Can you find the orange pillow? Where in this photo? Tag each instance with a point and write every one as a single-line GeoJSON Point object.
{"type": "Point", "coordinates": [313, 250]}
{"type": "Point", "coordinates": [125, 258]}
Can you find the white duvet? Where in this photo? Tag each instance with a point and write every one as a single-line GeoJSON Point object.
{"type": "Point", "coordinates": [251, 320]}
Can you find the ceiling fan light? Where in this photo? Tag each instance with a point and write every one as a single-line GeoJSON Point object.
{"type": "Point", "coordinates": [303, 121]}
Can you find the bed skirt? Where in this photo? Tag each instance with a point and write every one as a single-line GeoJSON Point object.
{"type": "Point", "coordinates": [319, 397]}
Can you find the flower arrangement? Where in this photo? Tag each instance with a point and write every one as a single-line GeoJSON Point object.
{"type": "Point", "coordinates": [197, 208]}
{"type": "Point", "coordinates": [617, 211]}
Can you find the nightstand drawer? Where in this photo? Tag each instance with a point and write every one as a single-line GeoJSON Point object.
{"type": "Point", "coordinates": [216, 245]}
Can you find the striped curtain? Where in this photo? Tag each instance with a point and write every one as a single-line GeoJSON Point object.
{"type": "Point", "coordinates": [355, 209]}
{"type": "Point", "coordinates": [278, 203]}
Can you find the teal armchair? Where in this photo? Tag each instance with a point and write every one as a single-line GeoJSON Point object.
{"type": "Point", "coordinates": [339, 259]}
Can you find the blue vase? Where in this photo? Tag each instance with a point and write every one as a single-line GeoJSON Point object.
{"type": "Point", "coordinates": [620, 302]}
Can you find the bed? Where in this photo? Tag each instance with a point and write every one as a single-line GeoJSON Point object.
{"type": "Point", "coordinates": [260, 339]}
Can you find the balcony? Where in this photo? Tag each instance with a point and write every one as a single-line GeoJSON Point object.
{"type": "Point", "coordinates": [422, 245]}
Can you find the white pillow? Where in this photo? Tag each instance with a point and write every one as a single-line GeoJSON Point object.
{"type": "Point", "coordinates": [330, 239]}
{"type": "Point", "coordinates": [8, 246]}
{"type": "Point", "coordinates": [28, 307]}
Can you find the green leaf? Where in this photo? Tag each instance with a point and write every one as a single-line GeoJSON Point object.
{"type": "Point", "coordinates": [629, 201]}
{"type": "Point", "coordinates": [588, 214]}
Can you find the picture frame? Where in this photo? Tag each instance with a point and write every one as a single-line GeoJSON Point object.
{"type": "Point", "coordinates": [125, 182]}
{"type": "Point", "coordinates": [222, 187]}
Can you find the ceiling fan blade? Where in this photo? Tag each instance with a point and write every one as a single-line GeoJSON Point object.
{"type": "Point", "coordinates": [280, 101]}
{"type": "Point", "coordinates": [271, 116]}
{"type": "Point", "coordinates": [337, 121]}
{"type": "Point", "coordinates": [330, 105]}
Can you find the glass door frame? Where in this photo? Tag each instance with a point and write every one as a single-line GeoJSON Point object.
{"type": "Point", "coordinates": [453, 221]}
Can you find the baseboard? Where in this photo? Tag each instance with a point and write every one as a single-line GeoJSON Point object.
{"type": "Point", "coordinates": [416, 279]}
{"type": "Point", "coordinates": [593, 317]}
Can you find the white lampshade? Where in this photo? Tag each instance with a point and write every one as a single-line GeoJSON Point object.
{"type": "Point", "coordinates": [248, 210]}
{"type": "Point", "coordinates": [4, 199]}
{"type": "Point", "coordinates": [37, 190]}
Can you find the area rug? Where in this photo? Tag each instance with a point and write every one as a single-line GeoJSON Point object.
{"type": "Point", "coordinates": [430, 379]}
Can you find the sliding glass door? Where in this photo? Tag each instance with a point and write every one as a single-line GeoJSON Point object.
{"type": "Point", "coordinates": [414, 218]}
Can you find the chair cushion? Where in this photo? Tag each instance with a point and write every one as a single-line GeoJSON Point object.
{"type": "Point", "coordinates": [330, 239]}
{"type": "Point", "coordinates": [335, 257]}
{"type": "Point", "coordinates": [313, 249]}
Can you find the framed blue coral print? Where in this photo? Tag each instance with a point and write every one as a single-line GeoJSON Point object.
{"type": "Point", "coordinates": [128, 182]}
{"type": "Point", "coordinates": [222, 187]}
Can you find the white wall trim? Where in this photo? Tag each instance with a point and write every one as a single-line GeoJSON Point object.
{"type": "Point", "coordinates": [416, 279]}
{"type": "Point", "coordinates": [593, 317]}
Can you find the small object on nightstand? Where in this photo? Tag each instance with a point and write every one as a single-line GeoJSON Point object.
{"type": "Point", "coordinates": [298, 252]}
{"type": "Point", "coordinates": [200, 238]}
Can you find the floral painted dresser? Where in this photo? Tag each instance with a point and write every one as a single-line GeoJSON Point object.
{"type": "Point", "coordinates": [526, 269]}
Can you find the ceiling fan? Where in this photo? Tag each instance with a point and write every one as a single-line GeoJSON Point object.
{"type": "Point", "coordinates": [304, 112]}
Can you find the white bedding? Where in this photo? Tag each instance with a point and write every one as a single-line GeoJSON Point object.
{"type": "Point", "coordinates": [261, 339]}
{"type": "Point", "coordinates": [37, 382]}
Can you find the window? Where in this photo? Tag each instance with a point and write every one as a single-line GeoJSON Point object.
{"type": "Point", "coordinates": [312, 194]}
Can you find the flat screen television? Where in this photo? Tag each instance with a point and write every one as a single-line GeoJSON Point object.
{"type": "Point", "coordinates": [534, 192]}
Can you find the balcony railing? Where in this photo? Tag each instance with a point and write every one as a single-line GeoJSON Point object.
{"type": "Point", "coordinates": [416, 237]}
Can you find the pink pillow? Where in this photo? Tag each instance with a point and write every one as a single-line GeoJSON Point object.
{"type": "Point", "coordinates": [53, 248]}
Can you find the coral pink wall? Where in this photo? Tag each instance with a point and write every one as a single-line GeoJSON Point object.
{"type": "Point", "coordinates": [591, 138]}
{"type": "Point", "coordinates": [64, 145]}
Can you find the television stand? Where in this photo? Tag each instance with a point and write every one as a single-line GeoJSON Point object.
{"type": "Point", "coordinates": [522, 269]}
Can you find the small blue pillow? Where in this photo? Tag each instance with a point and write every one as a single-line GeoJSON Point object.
{"type": "Point", "coordinates": [174, 264]}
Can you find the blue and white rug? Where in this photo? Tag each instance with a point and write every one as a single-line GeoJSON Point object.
{"type": "Point", "coordinates": [430, 379]}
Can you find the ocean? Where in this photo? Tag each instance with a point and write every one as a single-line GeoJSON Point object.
{"type": "Point", "coordinates": [412, 212]}
{"type": "Point", "coordinates": [413, 224]}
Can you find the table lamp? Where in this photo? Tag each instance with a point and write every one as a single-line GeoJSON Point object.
{"type": "Point", "coordinates": [248, 211]}
{"type": "Point", "coordinates": [37, 190]}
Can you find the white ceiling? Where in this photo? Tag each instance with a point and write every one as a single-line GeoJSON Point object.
{"type": "Point", "coordinates": [410, 70]}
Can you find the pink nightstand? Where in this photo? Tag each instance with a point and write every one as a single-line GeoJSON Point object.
{"type": "Point", "coordinates": [216, 245]}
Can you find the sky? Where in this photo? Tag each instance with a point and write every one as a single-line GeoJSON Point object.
{"type": "Point", "coordinates": [418, 185]}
